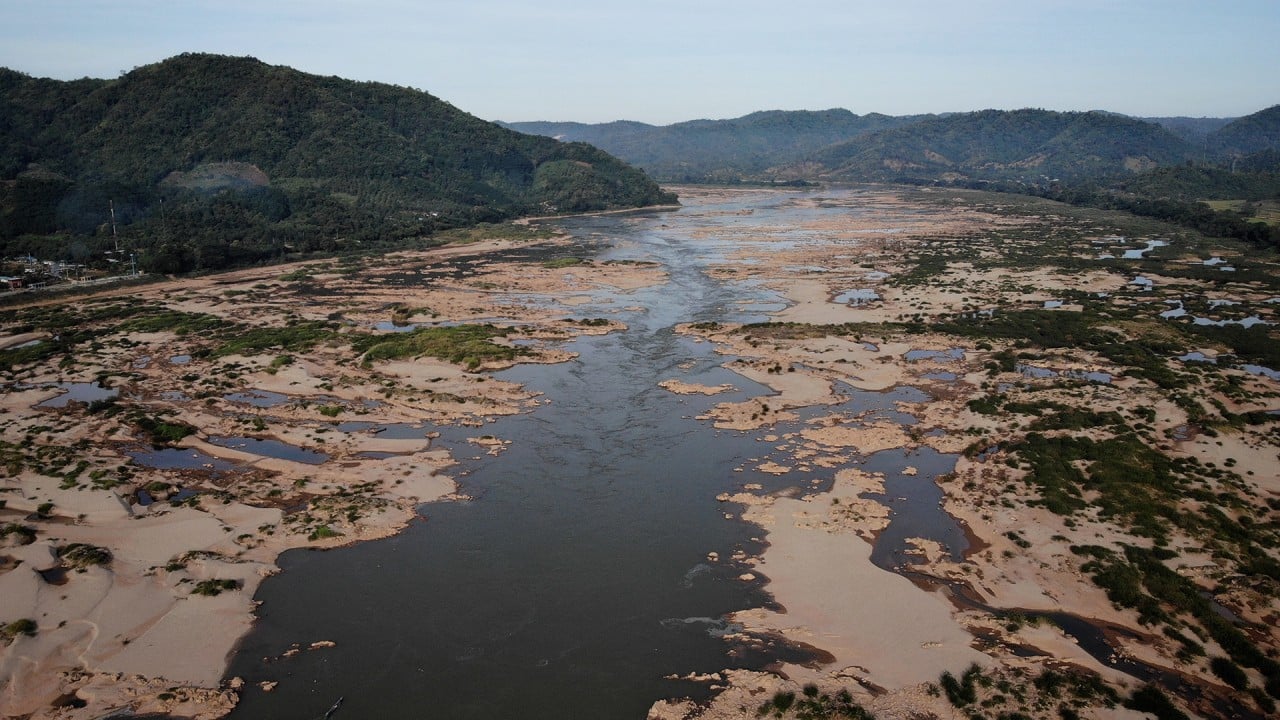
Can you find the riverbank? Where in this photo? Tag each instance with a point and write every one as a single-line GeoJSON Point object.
{"type": "Point", "coordinates": [163, 447]}
{"type": "Point", "coordinates": [858, 314]}
{"type": "Point", "coordinates": [166, 444]}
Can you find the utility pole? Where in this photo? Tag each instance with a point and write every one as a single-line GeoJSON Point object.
{"type": "Point", "coordinates": [114, 238]}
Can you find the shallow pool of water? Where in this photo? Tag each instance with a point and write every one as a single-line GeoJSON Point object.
{"type": "Point", "coordinates": [180, 459]}
{"type": "Point", "coordinates": [80, 393]}
{"type": "Point", "coordinates": [950, 355]}
{"type": "Point", "coordinates": [1141, 253]}
{"type": "Point", "coordinates": [861, 296]}
{"type": "Point", "coordinates": [870, 405]}
{"type": "Point", "coordinates": [1260, 370]}
{"type": "Point", "coordinates": [268, 447]}
{"type": "Point", "coordinates": [941, 376]}
{"type": "Point", "coordinates": [258, 398]}
{"type": "Point", "coordinates": [915, 505]}
{"type": "Point", "coordinates": [389, 326]}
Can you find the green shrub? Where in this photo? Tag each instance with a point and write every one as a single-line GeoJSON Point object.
{"type": "Point", "coordinates": [25, 626]}
{"type": "Point", "coordinates": [162, 432]}
{"type": "Point", "coordinates": [24, 535]}
{"type": "Point", "coordinates": [563, 262]}
{"type": "Point", "coordinates": [1230, 673]}
{"type": "Point", "coordinates": [215, 587]}
{"type": "Point", "coordinates": [1150, 699]}
{"type": "Point", "coordinates": [322, 532]}
{"type": "Point", "coordinates": [82, 555]}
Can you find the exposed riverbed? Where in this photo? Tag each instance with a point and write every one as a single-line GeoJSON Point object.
{"type": "Point", "coordinates": [576, 577]}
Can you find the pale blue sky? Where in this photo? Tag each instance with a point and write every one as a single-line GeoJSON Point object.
{"type": "Point", "coordinates": [663, 61]}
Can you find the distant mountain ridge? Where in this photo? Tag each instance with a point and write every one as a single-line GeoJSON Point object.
{"type": "Point", "coordinates": [1026, 145]}
{"type": "Point", "coordinates": [262, 157]}
{"type": "Point", "coordinates": [1250, 134]}
{"type": "Point", "coordinates": [1006, 144]}
{"type": "Point", "coordinates": [721, 149]}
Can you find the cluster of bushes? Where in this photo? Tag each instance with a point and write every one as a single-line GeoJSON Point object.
{"type": "Point", "coordinates": [83, 555]}
{"type": "Point", "coordinates": [1072, 691]}
{"type": "Point", "coordinates": [210, 588]}
{"type": "Point", "coordinates": [1139, 579]}
{"type": "Point", "coordinates": [812, 704]}
{"type": "Point", "coordinates": [161, 432]}
{"type": "Point", "coordinates": [10, 631]}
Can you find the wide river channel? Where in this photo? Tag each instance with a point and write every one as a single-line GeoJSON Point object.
{"type": "Point", "coordinates": [576, 577]}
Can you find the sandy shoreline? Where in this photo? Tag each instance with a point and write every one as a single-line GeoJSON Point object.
{"type": "Point", "coordinates": [891, 641]}
{"type": "Point", "coordinates": [152, 627]}
{"type": "Point", "coordinates": [145, 630]}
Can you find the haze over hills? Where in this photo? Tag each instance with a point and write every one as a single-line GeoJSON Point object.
{"type": "Point", "coordinates": [1250, 134]}
{"type": "Point", "coordinates": [252, 160]}
{"type": "Point", "coordinates": [1024, 145]}
{"type": "Point", "coordinates": [1005, 144]}
{"type": "Point", "coordinates": [721, 149]}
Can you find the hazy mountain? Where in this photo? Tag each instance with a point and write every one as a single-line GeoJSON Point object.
{"type": "Point", "coordinates": [991, 144]}
{"type": "Point", "coordinates": [248, 155]}
{"type": "Point", "coordinates": [1250, 134]}
{"type": "Point", "coordinates": [720, 149]}
{"type": "Point", "coordinates": [1192, 129]}
{"type": "Point", "coordinates": [999, 144]}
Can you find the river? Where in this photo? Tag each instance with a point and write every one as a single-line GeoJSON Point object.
{"type": "Point", "coordinates": [576, 577]}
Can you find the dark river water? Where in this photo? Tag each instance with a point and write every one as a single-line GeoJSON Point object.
{"type": "Point", "coordinates": [576, 577]}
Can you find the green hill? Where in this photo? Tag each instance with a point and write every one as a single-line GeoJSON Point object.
{"type": "Point", "coordinates": [1203, 182]}
{"type": "Point", "coordinates": [721, 150]}
{"type": "Point", "coordinates": [1018, 145]}
{"type": "Point", "coordinates": [253, 160]}
{"type": "Point", "coordinates": [1250, 134]}
{"type": "Point", "coordinates": [1192, 129]}
{"type": "Point", "coordinates": [1028, 145]}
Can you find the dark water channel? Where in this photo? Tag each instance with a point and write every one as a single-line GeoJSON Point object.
{"type": "Point", "coordinates": [576, 578]}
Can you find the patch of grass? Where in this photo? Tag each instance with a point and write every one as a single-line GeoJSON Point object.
{"type": "Point", "coordinates": [495, 231]}
{"type": "Point", "coordinates": [322, 532]}
{"type": "Point", "coordinates": [181, 323]}
{"type": "Point", "coordinates": [564, 262]}
{"type": "Point", "coordinates": [25, 626]}
{"type": "Point", "coordinates": [299, 275]}
{"type": "Point", "coordinates": [22, 534]}
{"type": "Point", "coordinates": [278, 362]}
{"type": "Point", "coordinates": [299, 337]}
{"type": "Point", "coordinates": [468, 345]}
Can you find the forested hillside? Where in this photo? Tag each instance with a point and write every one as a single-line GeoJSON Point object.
{"type": "Point", "coordinates": [1028, 144]}
{"type": "Point", "coordinates": [211, 161]}
{"type": "Point", "coordinates": [1248, 135]}
{"type": "Point", "coordinates": [721, 150]}
{"type": "Point", "coordinates": [1192, 129]}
